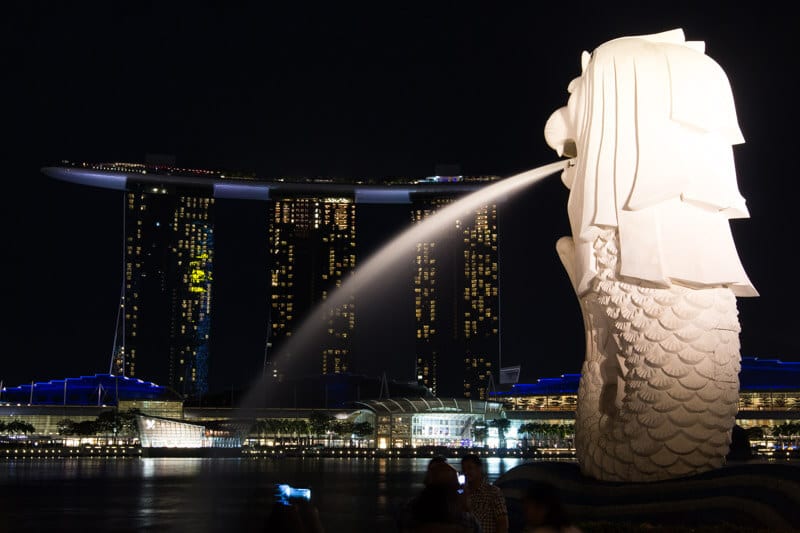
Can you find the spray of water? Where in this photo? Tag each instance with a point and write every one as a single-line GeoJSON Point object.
{"type": "Point", "coordinates": [375, 270]}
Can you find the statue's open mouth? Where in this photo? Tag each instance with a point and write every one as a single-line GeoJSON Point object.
{"type": "Point", "coordinates": [569, 149]}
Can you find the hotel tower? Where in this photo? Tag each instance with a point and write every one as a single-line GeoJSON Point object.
{"type": "Point", "coordinates": [169, 265]}
{"type": "Point", "coordinates": [456, 302]}
{"type": "Point", "coordinates": [312, 243]}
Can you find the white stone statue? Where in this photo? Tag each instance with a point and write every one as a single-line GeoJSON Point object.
{"type": "Point", "coordinates": [650, 124]}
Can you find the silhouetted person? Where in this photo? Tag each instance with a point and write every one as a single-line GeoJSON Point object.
{"type": "Point", "coordinates": [543, 512]}
{"type": "Point", "coordinates": [440, 507]}
{"type": "Point", "coordinates": [740, 449]}
{"type": "Point", "coordinates": [435, 460]}
{"type": "Point", "coordinates": [485, 500]}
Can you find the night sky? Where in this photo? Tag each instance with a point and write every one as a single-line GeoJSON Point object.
{"type": "Point", "coordinates": [391, 90]}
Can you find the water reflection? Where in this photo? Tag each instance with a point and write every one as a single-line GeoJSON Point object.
{"type": "Point", "coordinates": [199, 495]}
{"type": "Point", "coordinates": [170, 466]}
{"type": "Point", "coordinates": [496, 466]}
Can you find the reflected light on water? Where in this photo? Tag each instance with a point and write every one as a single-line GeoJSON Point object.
{"type": "Point", "coordinates": [153, 467]}
{"type": "Point", "coordinates": [198, 495]}
{"type": "Point", "coordinates": [497, 466]}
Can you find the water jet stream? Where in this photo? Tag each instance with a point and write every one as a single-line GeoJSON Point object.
{"type": "Point", "coordinates": [391, 254]}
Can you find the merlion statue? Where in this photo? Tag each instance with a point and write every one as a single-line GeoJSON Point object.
{"type": "Point", "coordinates": [649, 125]}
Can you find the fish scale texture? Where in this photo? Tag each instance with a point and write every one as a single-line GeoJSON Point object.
{"type": "Point", "coordinates": [659, 391]}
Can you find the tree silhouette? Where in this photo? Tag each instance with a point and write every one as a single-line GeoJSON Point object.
{"type": "Point", "coordinates": [363, 429]}
{"type": "Point", "coordinates": [16, 427]}
{"type": "Point", "coordinates": [319, 423]}
{"type": "Point", "coordinates": [502, 425]}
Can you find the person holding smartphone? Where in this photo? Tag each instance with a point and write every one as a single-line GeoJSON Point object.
{"type": "Point", "coordinates": [293, 512]}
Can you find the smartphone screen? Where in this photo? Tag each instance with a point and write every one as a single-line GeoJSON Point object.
{"type": "Point", "coordinates": [284, 493]}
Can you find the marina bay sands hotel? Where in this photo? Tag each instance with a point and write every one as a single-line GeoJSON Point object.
{"type": "Point", "coordinates": [166, 302]}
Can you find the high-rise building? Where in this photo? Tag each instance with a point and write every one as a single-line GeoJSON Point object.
{"type": "Point", "coordinates": [479, 304]}
{"type": "Point", "coordinates": [169, 258]}
{"type": "Point", "coordinates": [429, 268]}
{"type": "Point", "coordinates": [164, 319]}
{"type": "Point", "coordinates": [313, 250]}
{"type": "Point", "coordinates": [456, 302]}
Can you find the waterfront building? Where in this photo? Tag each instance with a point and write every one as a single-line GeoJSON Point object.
{"type": "Point", "coordinates": [769, 397]}
{"type": "Point", "coordinates": [540, 413]}
{"type": "Point", "coordinates": [416, 422]}
{"type": "Point", "coordinates": [156, 432]}
{"type": "Point", "coordinates": [45, 403]}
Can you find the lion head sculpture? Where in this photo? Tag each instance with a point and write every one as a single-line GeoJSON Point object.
{"type": "Point", "coordinates": [651, 123]}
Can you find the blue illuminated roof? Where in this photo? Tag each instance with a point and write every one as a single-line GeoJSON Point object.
{"type": "Point", "coordinates": [756, 375]}
{"type": "Point", "coordinates": [566, 384]}
{"type": "Point", "coordinates": [100, 389]}
{"type": "Point", "coordinates": [769, 374]}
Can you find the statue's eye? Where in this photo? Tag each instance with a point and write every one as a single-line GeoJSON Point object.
{"type": "Point", "coordinates": [570, 148]}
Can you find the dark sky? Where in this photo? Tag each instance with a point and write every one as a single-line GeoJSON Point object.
{"type": "Point", "coordinates": [339, 91]}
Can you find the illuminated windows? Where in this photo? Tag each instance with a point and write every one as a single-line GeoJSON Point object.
{"type": "Point", "coordinates": [313, 240]}
{"type": "Point", "coordinates": [168, 275]}
{"type": "Point", "coordinates": [456, 308]}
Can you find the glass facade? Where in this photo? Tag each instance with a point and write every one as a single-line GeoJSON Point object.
{"type": "Point", "coordinates": [456, 302]}
{"type": "Point", "coordinates": [414, 422]}
{"type": "Point", "coordinates": [480, 304]}
{"type": "Point", "coordinates": [165, 433]}
{"type": "Point", "coordinates": [442, 429]}
{"type": "Point", "coordinates": [427, 298]}
{"type": "Point", "coordinates": [162, 433]}
{"type": "Point", "coordinates": [169, 258]}
{"type": "Point", "coordinates": [313, 250]}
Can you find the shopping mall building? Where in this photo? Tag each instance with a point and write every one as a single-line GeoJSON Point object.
{"type": "Point", "coordinates": [769, 397]}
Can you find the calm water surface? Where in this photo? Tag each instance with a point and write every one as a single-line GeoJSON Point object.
{"type": "Point", "coordinates": [197, 495]}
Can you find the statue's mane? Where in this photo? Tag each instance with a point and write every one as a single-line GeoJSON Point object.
{"type": "Point", "coordinates": [652, 120]}
{"type": "Point", "coordinates": [657, 122]}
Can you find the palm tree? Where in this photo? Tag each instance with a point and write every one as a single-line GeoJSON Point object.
{"type": "Point", "coordinates": [529, 429]}
{"type": "Point", "coordinates": [284, 427]}
{"type": "Point", "coordinates": [502, 425]}
{"type": "Point", "coordinates": [299, 428]}
{"type": "Point", "coordinates": [319, 423]}
{"type": "Point", "coordinates": [260, 428]}
{"type": "Point", "coordinates": [272, 427]}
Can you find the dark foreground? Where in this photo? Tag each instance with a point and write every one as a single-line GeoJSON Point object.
{"type": "Point", "coordinates": [358, 494]}
{"type": "Point", "coordinates": [204, 495]}
{"type": "Point", "coordinates": [752, 496]}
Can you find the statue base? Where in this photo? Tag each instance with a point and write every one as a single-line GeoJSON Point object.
{"type": "Point", "coordinates": [747, 496]}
